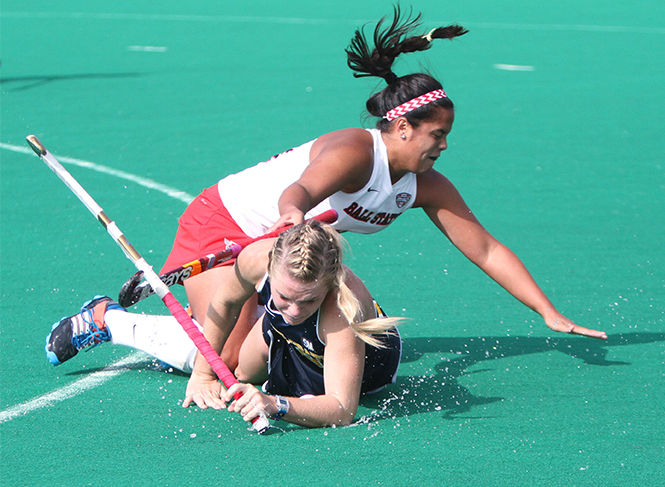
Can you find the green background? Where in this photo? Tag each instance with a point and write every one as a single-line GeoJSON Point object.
{"type": "Point", "coordinates": [563, 162]}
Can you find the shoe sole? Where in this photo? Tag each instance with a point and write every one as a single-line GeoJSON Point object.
{"type": "Point", "coordinates": [51, 356]}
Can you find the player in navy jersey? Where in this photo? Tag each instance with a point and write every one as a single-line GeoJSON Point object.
{"type": "Point", "coordinates": [320, 343]}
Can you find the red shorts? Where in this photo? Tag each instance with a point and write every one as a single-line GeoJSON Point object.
{"type": "Point", "coordinates": [206, 227]}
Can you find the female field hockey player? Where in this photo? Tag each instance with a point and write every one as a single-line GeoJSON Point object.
{"type": "Point", "coordinates": [321, 342]}
{"type": "Point", "coordinates": [369, 176]}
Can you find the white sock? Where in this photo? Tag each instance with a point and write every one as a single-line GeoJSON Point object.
{"type": "Point", "coordinates": [159, 336]}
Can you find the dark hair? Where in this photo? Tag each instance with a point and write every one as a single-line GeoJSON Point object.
{"type": "Point", "coordinates": [390, 42]}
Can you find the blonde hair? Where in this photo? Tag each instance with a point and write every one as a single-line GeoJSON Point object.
{"type": "Point", "coordinates": [312, 251]}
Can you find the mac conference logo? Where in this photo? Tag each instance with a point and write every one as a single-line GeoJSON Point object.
{"type": "Point", "coordinates": [402, 199]}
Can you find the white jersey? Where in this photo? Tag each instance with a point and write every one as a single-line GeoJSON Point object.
{"type": "Point", "coordinates": [251, 195]}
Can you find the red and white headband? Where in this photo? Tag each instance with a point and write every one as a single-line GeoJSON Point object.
{"type": "Point", "coordinates": [417, 102]}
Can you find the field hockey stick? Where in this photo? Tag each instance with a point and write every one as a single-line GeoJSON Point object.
{"type": "Point", "coordinates": [260, 423]}
{"type": "Point", "coordinates": [132, 292]}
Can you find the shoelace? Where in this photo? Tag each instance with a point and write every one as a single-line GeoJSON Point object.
{"type": "Point", "coordinates": [94, 336]}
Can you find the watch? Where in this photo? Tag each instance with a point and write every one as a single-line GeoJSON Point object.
{"type": "Point", "coordinates": [282, 407]}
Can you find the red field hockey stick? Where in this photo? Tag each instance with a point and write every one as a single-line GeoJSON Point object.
{"type": "Point", "coordinates": [260, 423]}
{"type": "Point", "coordinates": [132, 292]}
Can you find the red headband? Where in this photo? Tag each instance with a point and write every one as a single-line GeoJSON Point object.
{"type": "Point", "coordinates": [418, 101]}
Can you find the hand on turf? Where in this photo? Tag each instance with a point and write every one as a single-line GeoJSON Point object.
{"type": "Point", "coordinates": [205, 391]}
{"type": "Point", "coordinates": [558, 322]}
{"type": "Point", "coordinates": [252, 403]}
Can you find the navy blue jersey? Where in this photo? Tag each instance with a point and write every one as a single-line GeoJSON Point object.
{"type": "Point", "coordinates": [295, 363]}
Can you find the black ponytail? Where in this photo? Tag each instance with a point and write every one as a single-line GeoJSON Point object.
{"type": "Point", "coordinates": [389, 42]}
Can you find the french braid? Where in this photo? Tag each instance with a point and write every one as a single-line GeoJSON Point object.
{"type": "Point", "coordinates": [312, 251]}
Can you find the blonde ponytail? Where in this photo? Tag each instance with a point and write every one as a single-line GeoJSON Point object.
{"type": "Point", "coordinates": [365, 329]}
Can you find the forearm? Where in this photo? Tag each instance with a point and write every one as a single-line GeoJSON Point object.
{"type": "Point", "coordinates": [504, 267]}
{"type": "Point", "coordinates": [319, 411]}
{"type": "Point", "coordinates": [217, 327]}
{"type": "Point", "coordinates": [507, 270]}
{"type": "Point", "coordinates": [295, 197]}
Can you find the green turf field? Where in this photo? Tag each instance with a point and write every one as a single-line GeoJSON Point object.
{"type": "Point", "coordinates": [557, 147]}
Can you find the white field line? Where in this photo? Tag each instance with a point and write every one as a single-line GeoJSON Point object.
{"type": "Point", "coordinates": [88, 382]}
{"type": "Point", "coordinates": [633, 29]}
{"type": "Point", "coordinates": [145, 182]}
{"type": "Point", "coordinates": [95, 379]}
{"type": "Point", "coordinates": [514, 67]}
{"type": "Point", "coordinates": [147, 48]}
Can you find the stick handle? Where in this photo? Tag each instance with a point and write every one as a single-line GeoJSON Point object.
{"type": "Point", "coordinates": [260, 423]}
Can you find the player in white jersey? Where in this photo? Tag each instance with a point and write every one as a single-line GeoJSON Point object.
{"type": "Point", "coordinates": [251, 196]}
{"type": "Point", "coordinates": [391, 165]}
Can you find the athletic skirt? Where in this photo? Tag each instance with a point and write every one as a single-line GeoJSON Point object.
{"type": "Point", "coordinates": [206, 227]}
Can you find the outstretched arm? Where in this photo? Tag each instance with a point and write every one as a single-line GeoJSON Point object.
{"type": "Point", "coordinates": [446, 208]}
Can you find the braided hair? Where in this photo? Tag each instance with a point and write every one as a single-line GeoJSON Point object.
{"type": "Point", "coordinates": [312, 251]}
{"type": "Point", "coordinates": [389, 42]}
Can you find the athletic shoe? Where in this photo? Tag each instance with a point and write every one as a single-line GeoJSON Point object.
{"type": "Point", "coordinates": [86, 329]}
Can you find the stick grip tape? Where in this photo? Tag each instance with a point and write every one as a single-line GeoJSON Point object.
{"type": "Point", "coordinates": [260, 423]}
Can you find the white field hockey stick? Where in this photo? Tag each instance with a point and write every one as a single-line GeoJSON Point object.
{"type": "Point", "coordinates": [260, 423]}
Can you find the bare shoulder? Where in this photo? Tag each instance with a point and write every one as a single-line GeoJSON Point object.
{"type": "Point", "coordinates": [360, 291]}
{"type": "Point", "coordinates": [333, 320]}
{"type": "Point", "coordinates": [356, 285]}
{"type": "Point", "coordinates": [348, 136]}
{"type": "Point", "coordinates": [252, 262]}
{"type": "Point", "coordinates": [341, 160]}
{"type": "Point", "coordinates": [354, 142]}
{"type": "Point", "coordinates": [434, 190]}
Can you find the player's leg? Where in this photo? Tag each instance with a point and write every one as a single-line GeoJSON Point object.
{"type": "Point", "coordinates": [102, 320]}
{"type": "Point", "coordinates": [160, 336]}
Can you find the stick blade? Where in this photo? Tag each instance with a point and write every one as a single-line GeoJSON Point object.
{"type": "Point", "coordinates": [36, 145]}
{"type": "Point", "coordinates": [126, 296]}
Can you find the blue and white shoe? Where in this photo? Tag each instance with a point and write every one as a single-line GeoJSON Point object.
{"type": "Point", "coordinates": [85, 329]}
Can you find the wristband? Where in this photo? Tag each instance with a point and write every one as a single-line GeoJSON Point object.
{"type": "Point", "coordinates": [283, 407]}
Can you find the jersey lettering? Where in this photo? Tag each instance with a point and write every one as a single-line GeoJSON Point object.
{"type": "Point", "coordinates": [315, 358]}
{"type": "Point", "coordinates": [357, 212]}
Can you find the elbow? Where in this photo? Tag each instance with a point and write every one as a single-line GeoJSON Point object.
{"type": "Point", "coordinates": [345, 420]}
{"type": "Point", "coordinates": [345, 416]}
{"type": "Point", "coordinates": [334, 414]}
{"type": "Point", "coordinates": [482, 254]}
